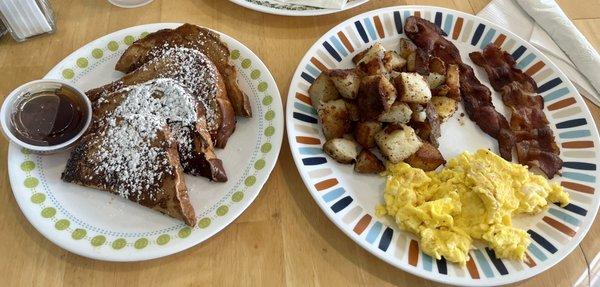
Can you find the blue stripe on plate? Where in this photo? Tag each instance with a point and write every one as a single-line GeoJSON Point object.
{"type": "Point", "coordinates": [334, 194]}
{"type": "Point", "coordinates": [448, 23]}
{"type": "Point", "coordinates": [549, 85]}
{"type": "Point", "coordinates": [564, 217]}
{"type": "Point", "coordinates": [526, 61]}
{"type": "Point", "coordinates": [338, 45]}
{"type": "Point", "coordinates": [310, 150]}
{"type": "Point", "coordinates": [579, 176]}
{"type": "Point", "coordinates": [483, 263]}
{"type": "Point", "coordinates": [575, 209]}
{"type": "Point", "coordinates": [537, 253]}
{"type": "Point", "coordinates": [571, 124]}
{"type": "Point", "coordinates": [341, 204]}
{"type": "Point", "coordinates": [314, 160]}
{"type": "Point", "coordinates": [374, 232]}
{"type": "Point", "coordinates": [305, 108]}
{"type": "Point", "coordinates": [307, 77]}
{"type": "Point", "coordinates": [370, 28]}
{"type": "Point", "coordinates": [575, 134]}
{"type": "Point", "coordinates": [427, 262]}
{"type": "Point", "coordinates": [442, 266]}
{"type": "Point", "coordinates": [488, 38]}
{"type": "Point", "coordinates": [497, 262]}
{"type": "Point", "coordinates": [407, 14]}
{"type": "Point", "coordinates": [361, 31]}
{"type": "Point", "coordinates": [386, 239]}
{"type": "Point", "coordinates": [305, 118]}
{"type": "Point", "coordinates": [556, 94]}
{"type": "Point", "coordinates": [542, 241]}
{"type": "Point", "coordinates": [438, 19]}
{"type": "Point", "coordinates": [332, 51]}
{"type": "Point", "coordinates": [477, 34]}
{"type": "Point", "coordinates": [518, 52]}
{"type": "Point", "coordinates": [398, 22]}
{"type": "Point", "coordinates": [312, 71]}
{"type": "Point", "coordinates": [579, 165]}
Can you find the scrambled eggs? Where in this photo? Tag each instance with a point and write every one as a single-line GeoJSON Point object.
{"type": "Point", "coordinates": [473, 197]}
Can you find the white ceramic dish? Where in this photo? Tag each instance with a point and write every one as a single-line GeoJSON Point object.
{"type": "Point", "coordinates": [279, 8]}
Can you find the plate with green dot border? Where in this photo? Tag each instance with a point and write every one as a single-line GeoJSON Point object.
{"type": "Point", "coordinates": [103, 226]}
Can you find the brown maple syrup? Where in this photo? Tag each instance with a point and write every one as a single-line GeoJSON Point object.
{"type": "Point", "coordinates": [49, 117]}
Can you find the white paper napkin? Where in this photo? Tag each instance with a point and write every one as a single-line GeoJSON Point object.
{"type": "Point", "coordinates": [581, 63]}
{"type": "Point", "coordinates": [332, 4]}
{"type": "Point", "coordinates": [24, 17]}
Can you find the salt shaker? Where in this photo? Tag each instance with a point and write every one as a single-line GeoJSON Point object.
{"type": "Point", "coordinates": [26, 18]}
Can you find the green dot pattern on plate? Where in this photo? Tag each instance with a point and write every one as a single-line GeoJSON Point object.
{"type": "Point", "coordinates": [266, 147]}
{"type": "Point", "coordinates": [270, 115]}
{"type": "Point", "coordinates": [113, 46]}
{"type": "Point", "coordinates": [140, 243]}
{"type": "Point", "coordinates": [97, 53]}
{"type": "Point", "coordinates": [128, 40]}
{"type": "Point", "coordinates": [78, 233]}
{"type": "Point", "coordinates": [48, 212]}
{"type": "Point", "coordinates": [204, 222]}
{"type": "Point", "coordinates": [38, 198]}
{"type": "Point", "coordinates": [163, 239]}
{"type": "Point", "coordinates": [250, 180]}
{"type": "Point", "coordinates": [222, 210]}
{"type": "Point", "coordinates": [68, 74]}
{"type": "Point", "coordinates": [267, 100]}
{"type": "Point", "coordinates": [246, 63]}
{"type": "Point", "coordinates": [259, 164]}
{"type": "Point", "coordinates": [262, 86]}
{"type": "Point", "coordinates": [82, 63]}
{"type": "Point", "coordinates": [119, 243]}
{"type": "Point", "coordinates": [25, 151]}
{"type": "Point", "coordinates": [235, 54]}
{"type": "Point", "coordinates": [31, 182]}
{"type": "Point", "coordinates": [237, 197]}
{"type": "Point", "coordinates": [98, 240]}
{"type": "Point", "coordinates": [28, 165]}
{"type": "Point", "coordinates": [184, 232]}
{"type": "Point", "coordinates": [269, 131]}
{"type": "Point", "coordinates": [255, 74]}
{"type": "Point", "coordinates": [144, 34]}
{"type": "Point", "coordinates": [62, 224]}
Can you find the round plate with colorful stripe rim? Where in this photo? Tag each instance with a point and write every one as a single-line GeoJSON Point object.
{"type": "Point", "coordinates": [280, 8]}
{"type": "Point", "coordinates": [103, 226]}
{"type": "Point", "coordinates": [349, 199]}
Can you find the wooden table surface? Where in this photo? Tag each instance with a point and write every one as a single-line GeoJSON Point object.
{"type": "Point", "coordinates": [283, 238]}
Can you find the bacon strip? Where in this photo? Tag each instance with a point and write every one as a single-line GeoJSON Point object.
{"type": "Point", "coordinates": [476, 97]}
{"type": "Point", "coordinates": [535, 142]}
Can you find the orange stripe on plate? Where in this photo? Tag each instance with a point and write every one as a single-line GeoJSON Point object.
{"type": "Point", "coordinates": [304, 98]}
{"type": "Point", "coordinates": [528, 261]}
{"type": "Point", "coordinates": [413, 253]}
{"type": "Point", "coordinates": [379, 27]}
{"type": "Point", "coordinates": [472, 268]}
{"type": "Point", "coordinates": [418, 14]}
{"type": "Point", "coordinates": [326, 184]}
{"type": "Point", "coordinates": [307, 140]}
{"type": "Point", "coordinates": [318, 64]}
{"type": "Point", "coordinates": [362, 224]}
{"type": "Point", "coordinates": [345, 41]}
{"type": "Point", "coordinates": [577, 187]}
{"type": "Point", "coordinates": [500, 40]}
{"type": "Point", "coordinates": [561, 104]}
{"type": "Point", "coordinates": [535, 68]}
{"type": "Point", "coordinates": [578, 144]}
{"type": "Point", "coordinates": [457, 28]}
{"type": "Point", "coordinates": [559, 226]}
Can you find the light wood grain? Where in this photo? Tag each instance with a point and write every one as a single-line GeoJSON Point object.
{"type": "Point", "coordinates": [283, 238]}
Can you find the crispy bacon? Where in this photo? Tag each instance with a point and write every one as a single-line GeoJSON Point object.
{"type": "Point", "coordinates": [535, 142]}
{"type": "Point", "coordinates": [476, 97]}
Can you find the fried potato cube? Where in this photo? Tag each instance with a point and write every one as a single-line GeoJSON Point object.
{"type": "Point", "coordinates": [367, 162]}
{"type": "Point", "coordinates": [335, 118]}
{"type": "Point", "coordinates": [374, 52]}
{"type": "Point", "coordinates": [412, 88]}
{"type": "Point", "coordinates": [399, 113]}
{"type": "Point", "coordinates": [373, 67]}
{"type": "Point", "coordinates": [346, 81]}
{"type": "Point", "coordinates": [444, 106]}
{"type": "Point", "coordinates": [436, 65]}
{"type": "Point", "coordinates": [392, 61]}
{"type": "Point", "coordinates": [322, 90]}
{"type": "Point", "coordinates": [364, 133]}
{"type": "Point", "coordinates": [376, 95]}
{"type": "Point", "coordinates": [353, 110]}
{"type": "Point", "coordinates": [427, 158]}
{"type": "Point", "coordinates": [406, 48]}
{"type": "Point", "coordinates": [453, 81]}
{"type": "Point", "coordinates": [398, 144]}
{"type": "Point", "coordinates": [435, 80]}
{"type": "Point", "coordinates": [341, 150]}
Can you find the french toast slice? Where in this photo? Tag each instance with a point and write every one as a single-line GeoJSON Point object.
{"type": "Point", "coordinates": [194, 37]}
{"type": "Point", "coordinates": [185, 116]}
{"type": "Point", "coordinates": [134, 157]}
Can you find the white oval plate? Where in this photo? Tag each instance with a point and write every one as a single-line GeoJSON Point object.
{"type": "Point", "coordinates": [280, 8]}
{"type": "Point", "coordinates": [349, 199]}
{"type": "Point", "coordinates": [99, 225]}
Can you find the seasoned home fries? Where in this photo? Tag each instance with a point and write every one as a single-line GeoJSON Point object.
{"type": "Point", "coordinates": [394, 101]}
{"type": "Point", "coordinates": [475, 196]}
